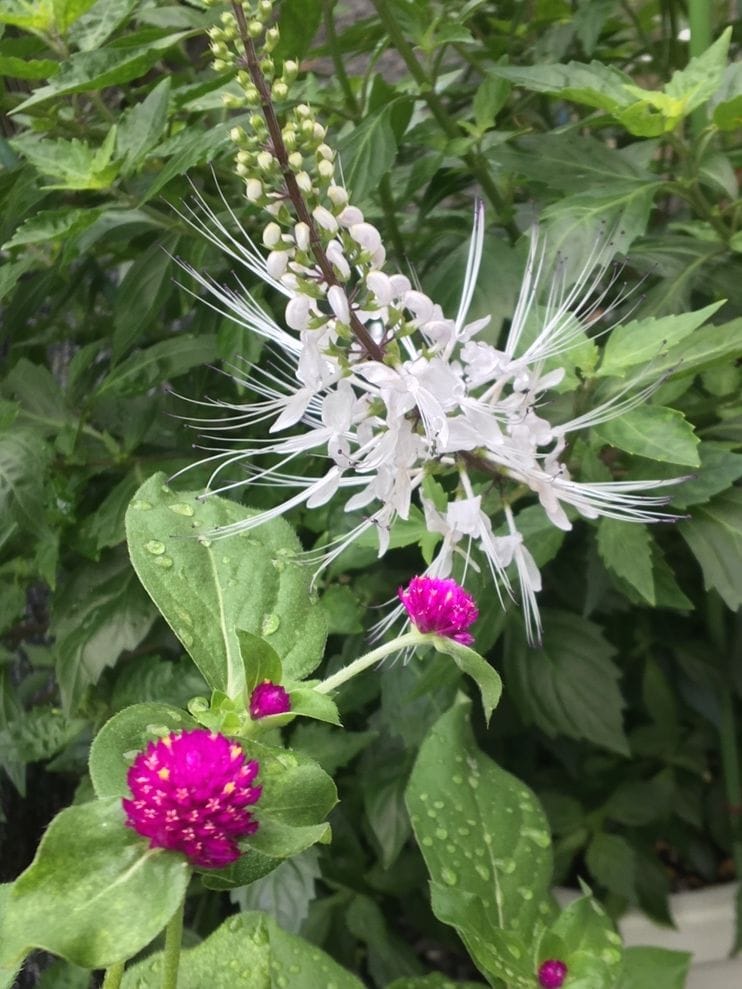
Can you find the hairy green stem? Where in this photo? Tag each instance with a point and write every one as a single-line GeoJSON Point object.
{"type": "Point", "coordinates": [473, 160]}
{"type": "Point", "coordinates": [414, 638]}
{"type": "Point", "coordinates": [113, 976]}
{"type": "Point", "coordinates": [171, 954]}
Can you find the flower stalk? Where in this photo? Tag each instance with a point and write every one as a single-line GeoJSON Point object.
{"type": "Point", "coordinates": [407, 641]}
{"type": "Point", "coordinates": [113, 976]}
{"type": "Point", "coordinates": [171, 954]}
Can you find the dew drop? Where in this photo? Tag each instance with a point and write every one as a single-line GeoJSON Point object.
{"type": "Point", "coordinates": [610, 956]}
{"type": "Point", "coordinates": [204, 541]}
{"type": "Point", "coordinates": [441, 834]}
{"type": "Point", "coordinates": [438, 804]}
{"type": "Point", "coordinates": [165, 489]}
{"type": "Point", "coordinates": [463, 832]}
{"type": "Point", "coordinates": [185, 637]}
{"type": "Point", "coordinates": [140, 505]}
{"type": "Point", "coordinates": [508, 866]}
{"type": "Point", "coordinates": [449, 877]}
{"type": "Point", "coordinates": [181, 508]}
{"type": "Point", "coordinates": [525, 892]}
{"type": "Point", "coordinates": [458, 780]}
{"type": "Point", "coordinates": [269, 624]}
{"type": "Point", "coordinates": [482, 871]}
{"type": "Point", "coordinates": [473, 782]}
{"type": "Point", "coordinates": [427, 841]}
{"type": "Point", "coordinates": [281, 982]}
{"type": "Point", "coordinates": [185, 616]}
{"type": "Point", "coordinates": [294, 969]}
{"type": "Point", "coordinates": [155, 547]}
{"type": "Point", "coordinates": [539, 838]}
{"type": "Point", "coordinates": [163, 561]}
{"type": "Point", "coordinates": [514, 950]}
{"type": "Point", "coordinates": [612, 937]}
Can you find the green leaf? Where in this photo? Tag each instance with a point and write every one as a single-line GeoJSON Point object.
{"type": "Point", "coordinates": [597, 85]}
{"type": "Point", "coordinates": [719, 469]}
{"type": "Point", "coordinates": [98, 614]}
{"type": "Point", "coordinates": [260, 954]}
{"type": "Point", "coordinates": [654, 432]}
{"type": "Point", "coordinates": [298, 22]}
{"type": "Point", "coordinates": [66, 12]}
{"type": "Point", "coordinates": [569, 686]}
{"type": "Point", "coordinates": [95, 893]}
{"type": "Point", "coordinates": [612, 861]}
{"type": "Point", "coordinates": [100, 22]}
{"type": "Point", "coordinates": [33, 15]}
{"type": "Point", "coordinates": [139, 299]}
{"type": "Point", "coordinates": [123, 736]}
{"type": "Point", "coordinates": [208, 589]}
{"type": "Point", "coordinates": [643, 340]}
{"type": "Point", "coordinates": [286, 893]}
{"type": "Point", "coordinates": [654, 968]}
{"type": "Point", "coordinates": [727, 101]}
{"type": "Point", "coordinates": [141, 127]}
{"type": "Point", "coordinates": [74, 164]}
{"type": "Point", "coordinates": [161, 362]}
{"type": "Point", "coordinates": [714, 534]}
{"type": "Point", "coordinates": [626, 549]}
{"type": "Point", "coordinates": [27, 68]}
{"type": "Point", "coordinates": [11, 955]}
{"type": "Point", "coordinates": [93, 70]}
{"type": "Point", "coordinates": [52, 225]}
{"type": "Point", "coordinates": [470, 662]}
{"type": "Point", "coordinates": [369, 150]}
{"type": "Point", "coordinates": [433, 981]}
{"type": "Point", "coordinates": [583, 936]}
{"type": "Point", "coordinates": [493, 888]}
{"type": "Point", "coordinates": [305, 701]}
{"type": "Point", "coordinates": [259, 659]}
{"type": "Point", "coordinates": [699, 80]}
{"type": "Point", "coordinates": [23, 464]}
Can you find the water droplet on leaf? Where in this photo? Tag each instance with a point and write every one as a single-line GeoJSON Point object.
{"type": "Point", "coordinates": [155, 547]}
{"type": "Point", "coordinates": [181, 508]}
{"type": "Point", "coordinates": [269, 624]}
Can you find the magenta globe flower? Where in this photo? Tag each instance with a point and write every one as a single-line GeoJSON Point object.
{"type": "Point", "coordinates": [440, 606]}
{"type": "Point", "coordinates": [551, 974]}
{"type": "Point", "coordinates": [190, 793]}
{"type": "Point", "coordinates": [269, 698]}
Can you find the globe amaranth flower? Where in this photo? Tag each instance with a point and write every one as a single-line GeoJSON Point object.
{"type": "Point", "coordinates": [269, 698]}
{"type": "Point", "coordinates": [190, 793]}
{"type": "Point", "coordinates": [551, 974]}
{"type": "Point", "coordinates": [440, 606]}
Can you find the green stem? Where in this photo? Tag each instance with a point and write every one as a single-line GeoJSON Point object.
{"type": "Point", "coordinates": [414, 638]}
{"type": "Point", "coordinates": [113, 976]}
{"type": "Point", "coordinates": [171, 959]}
{"type": "Point", "coordinates": [700, 14]}
{"type": "Point", "coordinates": [473, 160]}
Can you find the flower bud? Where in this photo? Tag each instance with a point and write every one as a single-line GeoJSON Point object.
{"type": "Point", "coordinates": [253, 189]}
{"type": "Point", "coordinates": [326, 169]}
{"type": "Point", "coordinates": [325, 219]}
{"type": "Point", "coordinates": [272, 37]}
{"type": "Point", "coordinates": [265, 161]}
{"type": "Point", "coordinates": [269, 699]}
{"type": "Point", "coordinates": [296, 160]}
{"type": "Point", "coordinates": [303, 181]}
{"type": "Point", "coordinates": [337, 196]}
{"type": "Point", "coordinates": [271, 235]}
{"type": "Point", "coordinates": [301, 233]}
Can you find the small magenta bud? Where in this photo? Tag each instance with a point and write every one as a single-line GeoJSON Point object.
{"type": "Point", "coordinates": [269, 698]}
{"type": "Point", "coordinates": [551, 974]}
{"type": "Point", "coordinates": [440, 606]}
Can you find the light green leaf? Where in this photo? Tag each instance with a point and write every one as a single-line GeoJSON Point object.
{"type": "Point", "coordinates": [98, 614]}
{"type": "Point", "coordinates": [52, 225]}
{"type": "Point", "coordinates": [583, 936]}
{"type": "Point", "coordinates": [470, 662]}
{"type": "Point", "coordinates": [286, 893]}
{"type": "Point", "coordinates": [32, 15]}
{"type": "Point", "coordinates": [66, 12]}
{"type": "Point", "coordinates": [626, 549]}
{"type": "Point", "coordinates": [123, 736]}
{"type": "Point", "coordinates": [260, 956]}
{"type": "Point", "coordinates": [207, 590]}
{"type": "Point", "coordinates": [74, 164]}
{"type": "Point", "coordinates": [654, 968]}
{"type": "Point", "coordinates": [595, 85]}
{"type": "Point", "coordinates": [699, 80]}
{"type": "Point", "coordinates": [726, 103]}
{"type": "Point", "coordinates": [95, 893]}
{"type": "Point", "coordinates": [643, 340]}
{"type": "Point", "coordinates": [654, 432]}
{"type": "Point", "coordinates": [714, 534]}
{"type": "Point", "coordinates": [23, 464]}
{"type": "Point", "coordinates": [92, 70]}
{"type": "Point", "coordinates": [100, 22]}
{"type": "Point", "coordinates": [27, 68]}
{"type": "Point", "coordinates": [569, 686]}
{"type": "Point", "coordinates": [497, 896]}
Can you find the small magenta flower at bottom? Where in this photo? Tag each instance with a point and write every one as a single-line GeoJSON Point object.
{"type": "Point", "coordinates": [269, 698]}
{"type": "Point", "coordinates": [190, 793]}
{"type": "Point", "coordinates": [551, 974]}
{"type": "Point", "coordinates": [440, 606]}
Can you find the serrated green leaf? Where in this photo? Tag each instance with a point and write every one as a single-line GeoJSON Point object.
{"type": "Point", "coordinates": [23, 463]}
{"type": "Point", "coordinates": [584, 937]}
{"type": "Point", "coordinates": [66, 12]}
{"type": "Point", "coordinates": [626, 549]}
{"type": "Point", "coordinates": [719, 469]}
{"type": "Point", "coordinates": [27, 68]}
{"type": "Point", "coordinates": [470, 662]}
{"type": "Point", "coordinates": [611, 860]}
{"type": "Point", "coordinates": [455, 791]}
{"type": "Point", "coordinates": [714, 534]}
{"type": "Point", "coordinates": [286, 893]}
{"type": "Point", "coordinates": [208, 590]}
{"type": "Point", "coordinates": [569, 686]}
{"type": "Point", "coordinates": [596, 84]}
{"type": "Point", "coordinates": [369, 150]}
{"type": "Point", "coordinates": [643, 340]}
{"type": "Point", "coordinates": [95, 893]}
{"type": "Point", "coordinates": [699, 80]}
{"type": "Point", "coordinates": [100, 22]}
{"type": "Point", "coordinates": [73, 163]}
{"type": "Point", "coordinates": [159, 363]}
{"type": "Point", "coordinates": [142, 126]}
{"type": "Point", "coordinates": [93, 70]}
{"type": "Point", "coordinates": [654, 432]}
{"type": "Point", "coordinates": [52, 225]}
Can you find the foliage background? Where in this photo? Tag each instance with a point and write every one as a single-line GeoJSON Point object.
{"type": "Point", "coordinates": [625, 723]}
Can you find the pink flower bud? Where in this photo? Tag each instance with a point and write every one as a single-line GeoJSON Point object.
{"type": "Point", "coordinates": [551, 974]}
{"type": "Point", "coordinates": [440, 606]}
{"type": "Point", "coordinates": [268, 698]}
